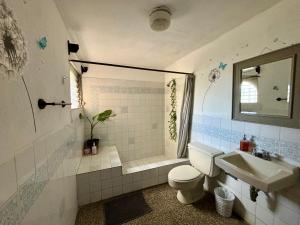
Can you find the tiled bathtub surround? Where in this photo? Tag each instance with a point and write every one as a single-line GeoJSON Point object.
{"type": "Point", "coordinates": [138, 128]}
{"type": "Point", "coordinates": [109, 178]}
{"type": "Point", "coordinates": [226, 135]}
{"type": "Point", "coordinates": [150, 163]}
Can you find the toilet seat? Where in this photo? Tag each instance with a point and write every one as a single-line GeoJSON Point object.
{"type": "Point", "coordinates": [184, 173]}
{"type": "Point", "coordinates": [188, 182]}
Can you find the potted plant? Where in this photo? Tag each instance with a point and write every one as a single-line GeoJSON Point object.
{"type": "Point", "coordinates": [96, 119]}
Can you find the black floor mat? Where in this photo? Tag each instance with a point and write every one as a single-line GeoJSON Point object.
{"type": "Point", "coordinates": [125, 208]}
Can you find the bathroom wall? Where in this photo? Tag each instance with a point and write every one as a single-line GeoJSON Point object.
{"type": "Point", "coordinates": [273, 29]}
{"type": "Point", "coordinates": [39, 149]}
{"type": "Point", "coordinates": [138, 128]}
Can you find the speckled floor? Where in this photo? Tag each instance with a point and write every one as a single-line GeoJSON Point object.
{"type": "Point", "coordinates": [166, 211]}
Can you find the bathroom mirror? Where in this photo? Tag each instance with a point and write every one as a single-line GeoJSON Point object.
{"type": "Point", "coordinates": [266, 88]}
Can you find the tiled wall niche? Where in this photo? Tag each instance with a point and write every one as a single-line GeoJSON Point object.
{"type": "Point", "coordinates": [138, 128]}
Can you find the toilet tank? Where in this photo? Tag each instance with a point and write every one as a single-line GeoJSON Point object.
{"type": "Point", "coordinates": [202, 157]}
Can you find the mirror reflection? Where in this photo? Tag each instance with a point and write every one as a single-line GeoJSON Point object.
{"type": "Point", "coordinates": [266, 89]}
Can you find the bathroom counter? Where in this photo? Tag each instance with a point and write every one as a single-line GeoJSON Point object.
{"type": "Point", "coordinates": [107, 158]}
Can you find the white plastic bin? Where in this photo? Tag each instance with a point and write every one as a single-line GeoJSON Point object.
{"type": "Point", "coordinates": [224, 201]}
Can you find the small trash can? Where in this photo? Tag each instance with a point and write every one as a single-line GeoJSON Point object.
{"type": "Point", "coordinates": [224, 201]}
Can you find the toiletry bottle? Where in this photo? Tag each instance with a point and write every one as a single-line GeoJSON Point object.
{"type": "Point", "coordinates": [94, 149]}
{"type": "Point", "coordinates": [244, 144]}
{"type": "Point", "coordinates": [86, 151]}
{"type": "Point", "coordinates": [252, 145]}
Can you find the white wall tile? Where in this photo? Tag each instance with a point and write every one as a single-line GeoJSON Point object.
{"type": "Point", "coordinates": [106, 174]}
{"type": "Point", "coordinates": [242, 211]}
{"type": "Point", "coordinates": [267, 201]}
{"type": "Point", "coordinates": [116, 172]}
{"type": "Point", "coordinates": [252, 129]}
{"type": "Point", "coordinates": [117, 190]}
{"type": "Point", "coordinates": [40, 152]}
{"type": "Point", "coordinates": [289, 134]}
{"type": "Point", "coordinates": [249, 218]}
{"type": "Point", "coordinates": [25, 164]}
{"type": "Point", "coordinates": [127, 178]}
{"type": "Point", "coordinates": [290, 198]}
{"type": "Point", "coordinates": [83, 185]}
{"type": "Point", "coordinates": [94, 181]}
{"type": "Point", "coordinates": [259, 222]}
{"type": "Point", "coordinates": [131, 122]}
{"type": "Point", "coordinates": [286, 215]}
{"type": "Point", "coordinates": [95, 196]}
{"type": "Point", "coordinates": [249, 205]}
{"type": "Point", "coordinates": [234, 185]}
{"type": "Point", "coordinates": [83, 199]}
{"type": "Point", "coordinates": [117, 181]}
{"type": "Point", "coordinates": [225, 146]}
{"type": "Point", "coordinates": [107, 193]}
{"type": "Point", "coordinates": [8, 181]}
{"type": "Point", "coordinates": [238, 126]}
{"type": "Point", "coordinates": [162, 179]}
{"type": "Point", "coordinates": [265, 215]}
{"type": "Point", "coordinates": [279, 222]}
{"type": "Point", "coordinates": [270, 132]}
{"type": "Point", "coordinates": [226, 124]}
{"type": "Point", "coordinates": [107, 183]}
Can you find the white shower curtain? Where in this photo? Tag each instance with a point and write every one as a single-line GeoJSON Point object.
{"type": "Point", "coordinates": [186, 116]}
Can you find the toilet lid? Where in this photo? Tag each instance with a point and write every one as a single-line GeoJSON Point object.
{"type": "Point", "coordinates": [184, 173]}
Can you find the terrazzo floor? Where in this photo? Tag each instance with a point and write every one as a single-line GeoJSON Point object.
{"type": "Point", "coordinates": [166, 211]}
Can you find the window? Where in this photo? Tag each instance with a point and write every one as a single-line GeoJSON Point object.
{"type": "Point", "coordinates": [248, 92]}
{"type": "Point", "coordinates": [75, 89]}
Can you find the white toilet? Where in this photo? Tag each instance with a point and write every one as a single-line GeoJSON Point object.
{"type": "Point", "coordinates": [188, 180]}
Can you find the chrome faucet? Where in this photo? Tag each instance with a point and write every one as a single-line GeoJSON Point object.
{"type": "Point", "coordinates": [266, 155]}
{"type": "Point", "coordinates": [263, 154]}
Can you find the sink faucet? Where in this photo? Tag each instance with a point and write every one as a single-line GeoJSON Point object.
{"type": "Point", "coordinates": [263, 154]}
{"type": "Point", "coordinates": [266, 155]}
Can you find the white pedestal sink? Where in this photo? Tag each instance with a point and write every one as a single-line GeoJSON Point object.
{"type": "Point", "coordinates": [267, 176]}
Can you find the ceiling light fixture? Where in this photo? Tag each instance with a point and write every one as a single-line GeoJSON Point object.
{"type": "Point", "coordinates": [160, 18]}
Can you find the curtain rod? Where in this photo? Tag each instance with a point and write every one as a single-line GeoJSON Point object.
{"type": "Point", "coordinates": [128, 67]}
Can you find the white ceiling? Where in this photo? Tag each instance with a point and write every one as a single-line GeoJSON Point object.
{"type": "Point", "coordinates": [118, 31]}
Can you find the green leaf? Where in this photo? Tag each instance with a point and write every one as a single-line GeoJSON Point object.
{"type": "Point", "coordinates": [101, 117]}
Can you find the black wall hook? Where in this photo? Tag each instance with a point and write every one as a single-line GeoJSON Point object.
{"type": "Point", "coordinates": [84, 69]}
{"type": "Point", "coordinates": [42, 103]}
{"type": "Point", "coordinates": [72, 47]}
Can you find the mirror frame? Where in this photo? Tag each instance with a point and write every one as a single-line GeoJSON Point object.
{"type": "Point", "coordinates": [293, 119]}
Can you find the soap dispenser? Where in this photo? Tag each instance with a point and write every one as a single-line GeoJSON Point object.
{"type": "Point", "coordinates": [252, 145]}
{"type": "Point", "coordinates": [244, 144]}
